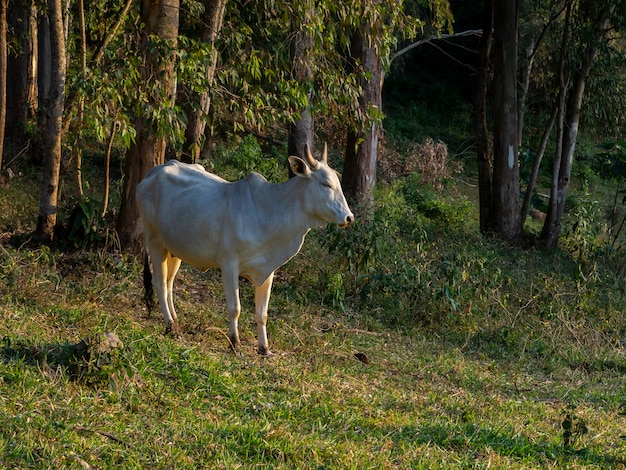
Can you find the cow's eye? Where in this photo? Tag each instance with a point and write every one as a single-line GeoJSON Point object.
{"type": "Point", "coordinates": [328, 185]}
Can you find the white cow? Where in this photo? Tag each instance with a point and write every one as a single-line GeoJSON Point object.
{"type": "Point", "coordinates": [248, 228]}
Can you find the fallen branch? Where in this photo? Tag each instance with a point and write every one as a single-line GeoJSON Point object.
{"type": "Point", "coordinates": [102, 433]}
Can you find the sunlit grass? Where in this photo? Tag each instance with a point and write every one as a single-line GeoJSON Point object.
{"type": "Point", "coordinates": [450, 350]}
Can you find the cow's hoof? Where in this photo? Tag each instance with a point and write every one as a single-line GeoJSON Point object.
{"type": "Point", "coordinates": [264, 352]}
{"type": "Point", "coordinates": [235, 348]}
{"type": "Point", "coordinates": [173, 331]}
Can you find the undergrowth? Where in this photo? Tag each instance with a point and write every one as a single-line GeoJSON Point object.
{"type": "Point", "coordinates": [408, 340]}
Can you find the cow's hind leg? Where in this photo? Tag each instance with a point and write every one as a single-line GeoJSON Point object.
{"type": "Point", "coordinates": [261, 301]}
{"type": "Point", "coordinates": [173, 264]}
{"type": "Point", "coordinates": [159, 257]}
{"type": "Point", "coordinates": [230, 280]}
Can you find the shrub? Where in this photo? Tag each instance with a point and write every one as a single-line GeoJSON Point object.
{"type": "Point", "coordinates": [86, 224]}
{"type": "Point", "coordinates": [245, 155]}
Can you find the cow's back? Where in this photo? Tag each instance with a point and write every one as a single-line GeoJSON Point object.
{"type": "Point", "coordinates": [181, 205]}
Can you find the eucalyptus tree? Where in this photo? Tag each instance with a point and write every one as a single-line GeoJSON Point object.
{"type": "Point", "coordinates": [156, 114]}
{"type": "Point", "coordinates": [498, 165]}
{"type": "Point", "coordinates": [22, 63]}
{"type": "Point", "coordinates": [196, 86]}
{"type": "Point", "coordinates": [594, 22]}
{"type": "Point", "coordinates": [377, 28]}
{"type": "Point", "coordinates": [301, 130]}
{"type": "Point", "coordinates": [567, 37]}
{"type": "Point", "coordinates": [3, 73]}
{"type": "Point", "coordinates": [505, 189]}
{"type": "Point", "coordinates": [52, 126]}
{"type": "Point", "coordinates": [484, 151]}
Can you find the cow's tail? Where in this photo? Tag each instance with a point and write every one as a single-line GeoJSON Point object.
{"type": "Point", "coordinates": [147, 283]}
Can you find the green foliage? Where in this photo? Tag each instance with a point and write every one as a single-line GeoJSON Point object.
{"type": "Point", "coordinates": [589, 235]}
{"type": "Point", "coordinates": [574, 428]}
{"type": "Point", "coordinates": [425, 200]}
{"type": "Point", "coordinates": [438, 348]}
{"type": "Point", "coordinates": [86, 223]}
{"type": "Point", "coordinates": [612, 160]}
{"type": "Point", "coordinates": [241, 155]}
{"type": "Point", "coordinates": [387, 254]}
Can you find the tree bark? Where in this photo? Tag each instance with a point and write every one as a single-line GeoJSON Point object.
{"type": "Point", "coordinates": [550, 224]}
{"type": "Point", "coordinates": [43, 64]}
{"type": "Point", "coordinates": [161, 18]}
{"type": "Point", "coordinates": [3, 73]}
{"type": "Point", "coordinates": [77, 148]}
{"type": "Point", "coordinates": [359, 174]}
{"type": "Point", "coordinates": [567, 140]}
{"type": "Point", "coordinates": [481, 130]}
{"type": "Point", "coordinates": [53, 126]}
{"type": "Point", "coordinates": [21, 68]}
{"type": "Point", "coordinates": [301, 131]}
{"type": "Point", "coordinates": [534, 173]}
{"type": "Point", "coordinates": [506, 190]}
{"type": "Point", "coordinates": [196, 123]}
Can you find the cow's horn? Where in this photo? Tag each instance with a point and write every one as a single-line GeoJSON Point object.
{"type": "Point", "coordinates": [310, 159]}
{"type": "Point", "coordinates": [325, 154]}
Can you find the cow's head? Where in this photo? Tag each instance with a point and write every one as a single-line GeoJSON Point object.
{"type": "Point", "coordinates": [323, 196]}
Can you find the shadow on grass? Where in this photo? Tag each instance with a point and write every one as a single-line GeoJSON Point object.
{"type": "Point", "coordinates": [479, 441]}
{"type": "Point", "coordinates": [81, 362]}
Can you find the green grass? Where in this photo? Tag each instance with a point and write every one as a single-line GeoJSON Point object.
{"type": "Point", "coordinates": [436, 349]}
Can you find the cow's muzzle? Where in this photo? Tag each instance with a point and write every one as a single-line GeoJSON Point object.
{"type": "Point", "coordinates": [349, 220]}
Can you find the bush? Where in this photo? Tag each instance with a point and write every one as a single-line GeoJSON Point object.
{"type": "Point", "coordinates": [244, 155]}
{"type": "Point", "coordinates": [86, 225]}
{"type": "Point", "coordinates": [387, 257]}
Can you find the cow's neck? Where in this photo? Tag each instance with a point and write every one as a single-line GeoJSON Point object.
{"type": "Point", "coordinates": [281, 222]}
{"type": "Point", "coordinates": [284, 206]}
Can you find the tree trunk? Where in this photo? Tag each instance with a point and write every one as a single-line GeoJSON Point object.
{"type": "Point", "coordinates": [21, 68]}
{"type": "Point", "coordinates": [481, 130]}
{"type": "Point", "coordinates": [53, 126]}
{"type": "Point", "coordinates": [77, 149]}
{"type": "Point", "coordinates": [549, 226]}
{"type": "Point", "coordinates": [567, 140]}
{"type": "Point", "coordinates": [532, 180]}
{"type": "Point", "coordinates": [196, 123]}
{"type": "Point", "coordinates": [531, 51]}
{"type": "Point", "coordinates": [43, 64]}
{"type": "Point", "coordinates": [301, 131]}
{"type": "Point", "coordinates": [563, 171]}
{"type": "Point", "coordinates": [161, 18]}
{"type": "Point", "coordinates": [359, 173]}
{"type": "Point", "coordinates": [506, 190]}
{"type": "Point", "coordinates": [3, 73]}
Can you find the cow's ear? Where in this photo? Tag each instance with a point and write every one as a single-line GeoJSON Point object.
{"type": "Point", "coordinates": [298, 167]}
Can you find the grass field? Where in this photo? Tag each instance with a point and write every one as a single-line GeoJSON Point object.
{"type": "Point", "coordinates": [411, 343]}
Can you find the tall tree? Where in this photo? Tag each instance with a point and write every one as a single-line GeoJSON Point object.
{"type": "Point", "coordinates": [53, 125]}
{"type": "Point", "coordinates": [481, 130]}
{"type": "Point", "coordinates": [505, 185]}
{"type": "Point", "coordinates": [359, 175]}
{"type": "Point", "coordinates": [536, 35]}
{"type": "Point", "coordinates": [376, 28]}
{"type": "Point", "coordinates": [22, 66]}
{"type": "Point", "coordinates": [301, 52]}
{"type": "Point", "coordinates": [200, 102]}
{"type": "Point", "coordinates": [596, 18]}
{"type": "Point", "coordinates": [159, 39]}
{"type": "Point", "coordinates": [3, 73]}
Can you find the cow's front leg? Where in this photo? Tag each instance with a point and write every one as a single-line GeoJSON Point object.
{"type": "Point", "coordinates": [230, 279]}
{"type": "Point", "coordinates": [261, 301]}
